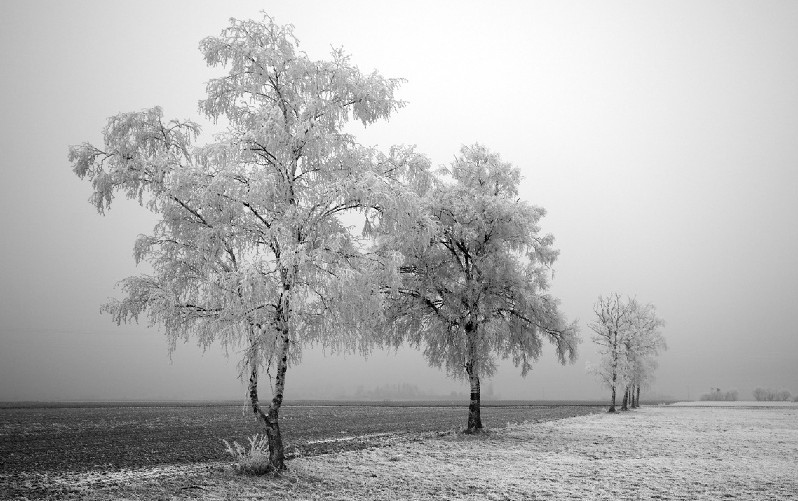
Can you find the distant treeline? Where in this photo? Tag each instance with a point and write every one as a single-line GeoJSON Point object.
{"type": "Point", "coordinates": [407, 391]}
{"type": "Point", "coordinates": [770, 395]}
{"type": "Point", "coordinates": [717, 395]}
{"type": "Point", "coordinates": [760, 395]}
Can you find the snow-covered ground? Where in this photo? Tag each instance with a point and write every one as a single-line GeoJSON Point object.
{"type": "Point", "coordinates": [652, 453]}
{"type": "Point", "coordinates": [735, 403]}
{"type": "Point", "coordinates": [666, 452]}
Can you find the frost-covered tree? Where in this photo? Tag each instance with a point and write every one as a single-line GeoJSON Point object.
{"type": "Point", "coordinates": [614, 319]}
{"type": "Point", "coordinates": [641, 377]}
{"type": "Point", "coordinates": [474, 276]}
{"type": "Point", "coordinates": [627, 334]}
{"type": "Point", "coordinates": [644, 342]}
{"type": "Point", "coordinates": [250, 249]}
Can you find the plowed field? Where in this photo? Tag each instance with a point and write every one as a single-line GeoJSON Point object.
{"type": "Point", "coordinates": [109, 437]}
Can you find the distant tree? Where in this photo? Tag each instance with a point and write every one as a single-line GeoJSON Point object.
{"type": "Point", "coordinates": [628, 337]}
{"type": "Point", "coordinates": [642, 376]}
{"type": "Point", "coordinates": [250, 248]}
{"type": "Point", "coordinates": [612, 327]}
{"type": "Point", "coordinates": [474, 275]}
{"type": "Point", "coordinates": [642, 344]}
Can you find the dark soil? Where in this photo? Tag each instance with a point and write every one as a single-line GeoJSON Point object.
{"type": "Point", "coordinates": [107, 437]}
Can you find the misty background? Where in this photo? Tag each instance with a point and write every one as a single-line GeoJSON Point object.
{"type": "Point", "coordinates": [659, 136]}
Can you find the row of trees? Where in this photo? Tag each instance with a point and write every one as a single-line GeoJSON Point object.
{"type": "Point", "coordinates": [250, 248]}
{"type": "Point", "coordinates": [718, 395]}
{"type": "Point", "coordinates": [771, 395]}
{"type": "Point", "coordinates": [629, 339]}
{"type": "Point", "coordinates": [760, 395]}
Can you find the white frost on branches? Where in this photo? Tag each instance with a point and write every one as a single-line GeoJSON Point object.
{"type": "Point", "coordinates": [474, 275]}
{"type": "Point", "coordinates": [250, 248]}
{"type": "Point", "coordinates": [629, 338]}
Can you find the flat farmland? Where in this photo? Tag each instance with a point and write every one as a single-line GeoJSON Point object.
{"type": "Point", "coordinates": [680, 452]}
{"type": "Point", "coordinates": [107, 437]}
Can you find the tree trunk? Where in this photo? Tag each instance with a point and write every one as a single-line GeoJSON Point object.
{"type": "Point", "coordinates": [612, 402]}
{"type": "Point", "coordinates": [271, 417]}
{"type": "Point", "coordinates": [625, 402]}
{"type": "Point", "coordinates": [276, 450]}
{"type": "Point", "coordinates": [474, 418]}
{"type": "Point", "coordinates": [638, 395]}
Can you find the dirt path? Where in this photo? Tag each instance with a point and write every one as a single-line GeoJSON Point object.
{"type": "Point", "coordinates": [652, 453]}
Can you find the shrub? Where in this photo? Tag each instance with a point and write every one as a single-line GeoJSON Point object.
{"type": "Point", "coordinates": [254, 461]}
{"type": "Point", "coordinates": [716, 395]}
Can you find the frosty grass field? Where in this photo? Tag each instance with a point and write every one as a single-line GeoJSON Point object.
{"type": "Point", "coordinates": [681, 451]}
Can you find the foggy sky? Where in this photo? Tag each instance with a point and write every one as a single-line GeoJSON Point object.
{"type": "Point", "coordinates": [659, 136]}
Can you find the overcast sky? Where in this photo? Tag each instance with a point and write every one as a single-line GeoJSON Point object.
{"type": "Point", "coordinates": [661, 137]}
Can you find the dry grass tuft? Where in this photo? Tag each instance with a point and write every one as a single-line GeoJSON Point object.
{"type": "Point", "coordinates": [254, 461]}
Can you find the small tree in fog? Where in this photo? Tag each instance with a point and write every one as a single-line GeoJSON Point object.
{"type": "Point", "coordinates": [642, 344]}
{"type": "Point", "coordinates": [641, 377]}
{"type": "Point", "coordinates": [612, 327]}
{"type": "Point", "coordinates": [249, 248]}
{"type": "Point", "coordinates": [629, 338]}
{"type": "Point", "coordinates": [474, 276]}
